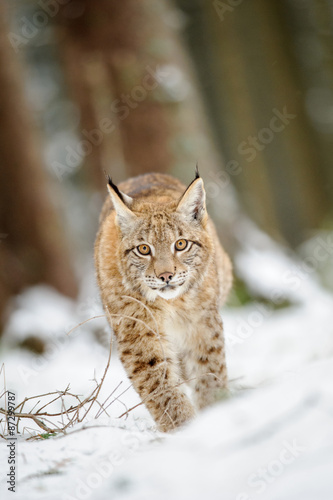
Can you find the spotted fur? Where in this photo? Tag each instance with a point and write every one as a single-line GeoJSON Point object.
{"type": "Point", "coordinates": [165, 304]}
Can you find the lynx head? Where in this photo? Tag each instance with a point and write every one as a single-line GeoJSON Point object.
{"type": "Point", "coordinates": [164, 247]}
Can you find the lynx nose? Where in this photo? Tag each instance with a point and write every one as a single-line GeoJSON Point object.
{"type": "Point", "coordinates": [166, 277]}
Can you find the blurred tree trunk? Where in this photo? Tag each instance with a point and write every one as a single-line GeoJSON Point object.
{"type": "Point", "coordinates": [32, 246]}
{"type": "Point", "coordinates": [294, 176]}
{"type": "Point", "coordinates": [311, 22]}
{"type": "Point", "coordinates": [89, 88]}
{"type": "Point", "coordinates": [283, 150]}
{"type": "Point", "coordinates": [118, 34]}
{"type": "Point", "coordinates": [127, 36]}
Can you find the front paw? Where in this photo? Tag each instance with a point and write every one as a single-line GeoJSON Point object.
{"type": "Point", "coordinates": [174, 411]}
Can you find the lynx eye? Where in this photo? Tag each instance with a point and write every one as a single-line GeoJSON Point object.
{"type": "Point", "coordinates": [144, 249]}
{"type": "Point", "coordinates": [181, 245]}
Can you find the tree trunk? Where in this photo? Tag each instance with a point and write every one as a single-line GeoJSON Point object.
{"type": "Point", "coordinates": [118, 33]}
{"type": "Point", "coordinates": [89, 88]}
{"type": "Point", "coordinates": [32, 242]}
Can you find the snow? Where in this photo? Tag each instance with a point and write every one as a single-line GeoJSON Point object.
{"type": "Point", "coordinates": [271, 439]}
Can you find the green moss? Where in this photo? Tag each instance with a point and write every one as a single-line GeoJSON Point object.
{"type": "Point", "coordinates": [47, 435]}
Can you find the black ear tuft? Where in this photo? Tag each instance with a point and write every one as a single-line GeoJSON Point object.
{"type": "Point", "coordinates": [197, 175]}
{"type": "Point", "coordinates": [115, 188]}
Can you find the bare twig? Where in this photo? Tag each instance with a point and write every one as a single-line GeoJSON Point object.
{"type": "Point", "coordinates": [84, 322]}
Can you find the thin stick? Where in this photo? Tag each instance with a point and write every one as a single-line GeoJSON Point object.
{"type": "Point", "coordinates": [109, 396]}
{"type": "Point", "coordinates": [101, 383]}
{"type": "Point", "coordinates": [84, 322]}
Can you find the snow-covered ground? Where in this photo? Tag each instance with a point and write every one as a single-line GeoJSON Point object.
{"type": "Point", "coordinates": [272, 439]}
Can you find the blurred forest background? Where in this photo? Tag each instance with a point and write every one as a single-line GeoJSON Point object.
{"type": "Point", "coordinates": [243, 87]}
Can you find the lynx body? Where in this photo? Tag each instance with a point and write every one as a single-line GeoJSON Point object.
{"type": "Point", "coordinates": [163, 276]}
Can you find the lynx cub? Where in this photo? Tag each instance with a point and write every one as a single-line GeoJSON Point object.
{"type": "Point", "coordinates": [163, 272]}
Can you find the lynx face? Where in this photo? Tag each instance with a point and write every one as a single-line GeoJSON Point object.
{"type": "Point", "coordinates": [163, 252]}
{"type": "Point", "coordinates": [163, 255]}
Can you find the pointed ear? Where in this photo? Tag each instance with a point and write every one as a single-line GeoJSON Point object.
{"type": "Point", "coordinates": [192, 204]}
{"type": "Point", "coordinates": [125, 218]}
